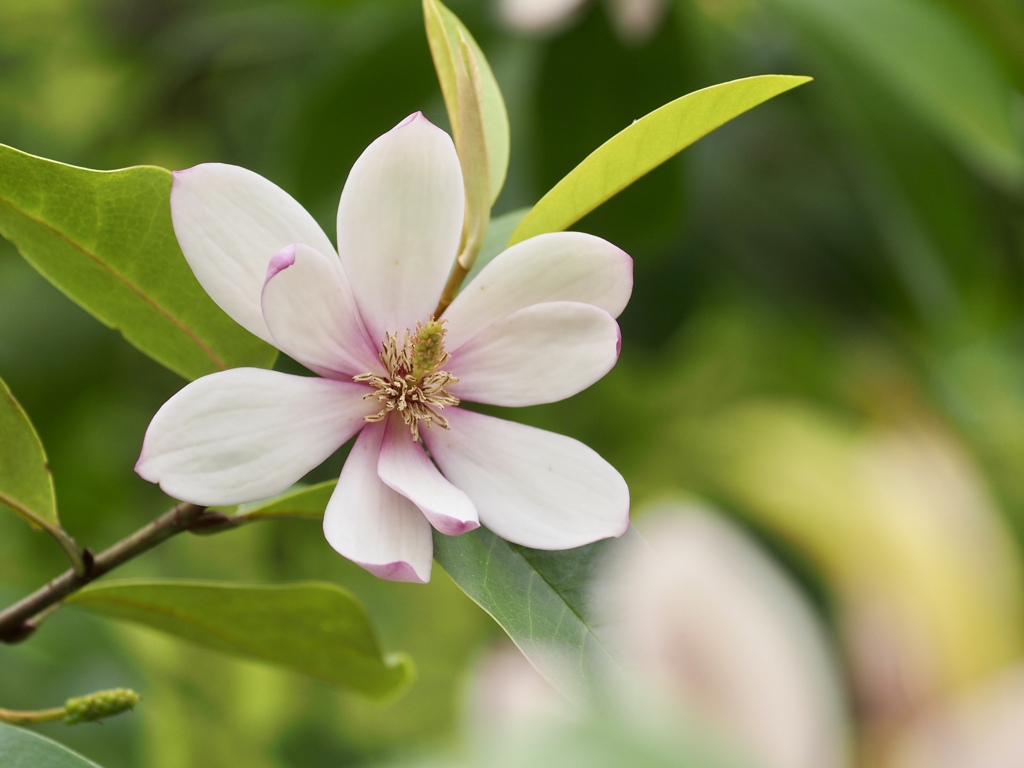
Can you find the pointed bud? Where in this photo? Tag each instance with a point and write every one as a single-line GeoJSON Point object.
{"type": "Point", "coordinates": [99, 705]}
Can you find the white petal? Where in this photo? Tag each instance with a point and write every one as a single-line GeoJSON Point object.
{"type": "Point", "coordinates": [247, 433]}
{"type": "Point", "coordinates": [540, 354]}
{"type": "Point", "coordinates": [560, 266]}
{"type": "Point", "coordinates": [309, 309]}
{"type": "Point", "coordinates": [229, 223]}
{"type": "Point", "coordinates": [372, 525]}
{"type": "Point", "coordinates": [405, 467]}
{"type": "Point", "coordinates": [399, 224]}
{"type": "Point", "coordinates": [530, 487]}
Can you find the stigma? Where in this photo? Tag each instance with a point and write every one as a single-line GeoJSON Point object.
{"type": "Point", "coordinates": [414, 386]}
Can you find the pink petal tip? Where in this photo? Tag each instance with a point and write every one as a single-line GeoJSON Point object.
{"type": "Point", "coordinates": [396, 571]}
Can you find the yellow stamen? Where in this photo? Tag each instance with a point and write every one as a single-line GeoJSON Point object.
{"type": "Point", "coordinates": [414, 386]}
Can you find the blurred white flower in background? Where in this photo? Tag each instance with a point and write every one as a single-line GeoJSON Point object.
{"type": "Point", "coordinates": [634, 20]}
{"type": "Point", "coordinates": [984, 729]}
{"type": "Point", "coordinates": [712, 632]}
{"type": "Point", "coordinates": [708, 621]}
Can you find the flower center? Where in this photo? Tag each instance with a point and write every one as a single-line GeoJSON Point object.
{"type": "Point", "coordinates": [414, 385]}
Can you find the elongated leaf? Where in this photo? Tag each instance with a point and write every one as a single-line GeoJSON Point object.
{"type": "Point", "coordinates": [20, 748]}
{"type": "Point", "coordinates": [319, 630]}
{"type": "Point", "coordinates": [106, 240]}
{"type": "Point", "coordinates": [930, 60]}
{"type": "Point", "coordinates": [645, 145]}
{"type": "Point", "coordinates": [25, 482]}
{"type": "Point", "coordinates": [541, 599]}
{"type": "Point", "coordinates": [446, 33]}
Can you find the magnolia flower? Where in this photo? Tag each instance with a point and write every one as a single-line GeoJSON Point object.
{"type": "Point", "coordinates": [536, 325]}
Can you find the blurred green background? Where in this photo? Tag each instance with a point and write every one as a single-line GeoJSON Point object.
{"type": "Point", "coordinates": [826, 337]}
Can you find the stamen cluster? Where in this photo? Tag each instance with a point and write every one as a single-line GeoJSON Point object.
{"type": "Point", "coordinates": [414, 386]}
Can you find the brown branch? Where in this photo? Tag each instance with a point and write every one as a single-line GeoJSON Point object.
{"type": "Point", "coordinates": [21, 619]}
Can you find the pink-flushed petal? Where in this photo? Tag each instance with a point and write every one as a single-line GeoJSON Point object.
{"type": "Point", "coordinates": [374, 526]}
{"type": "Point", "coordinates": [229, 223]}
{"type": "Point", "coordinates": [560, 266]}
{"type": "Point", "coordinates": [247, 433]}
{"type": "Point", "coordinates": [405, 467]}
{"type": "Point", "coordinates": [309, 309]}
{"type": "Point", "coordinates": [540, 354]}
{"type": "Point", "coordinates": [399, 224]}
{"type": "Point", "coordinates": [531, 487]}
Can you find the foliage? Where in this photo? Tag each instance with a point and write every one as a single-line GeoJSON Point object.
{"type": "Point", "coordinates": [830, 274]}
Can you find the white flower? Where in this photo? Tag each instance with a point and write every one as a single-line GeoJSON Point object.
{"type": "Point", "coordinates": [634, 20]}
{"type": "Point", "coordinates": [704, 618]}
{"type": "Point", "coordinates": [536, 325]}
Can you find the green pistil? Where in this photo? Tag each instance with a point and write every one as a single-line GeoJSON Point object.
{"type": "Point", "coordinates": [428, 349]}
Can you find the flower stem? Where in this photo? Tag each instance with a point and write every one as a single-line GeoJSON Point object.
{"type": "Point", "coordinates": [21, 619]}
{"type": "Point", "coordinates": [30, 717]}
{"type": "Point", "coordinates": [90, 708]}
{"type": "Point", "coordinates": [452, 288]}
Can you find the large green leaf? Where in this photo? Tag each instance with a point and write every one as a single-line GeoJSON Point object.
{"type": "Point", "coordinates": [645, 145]}
{"type": "Point", "coordinates": [930, 60]}
{"type": "Point", "coordinates": [316, 629]}
{"type": "Point", "coordinates": [25, 482]}
{"type": "Point", "coordinates": [105, 239]}
{"type": "Point", "coordinates": [541, 599]}
{"type": "Point", "coordinates": [20, 748]}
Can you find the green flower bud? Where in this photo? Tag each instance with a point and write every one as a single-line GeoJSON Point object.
{"type": "Point", "coordinates": [96, 706]}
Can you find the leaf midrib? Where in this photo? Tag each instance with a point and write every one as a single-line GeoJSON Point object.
{"type": "Point", "coordinates": [203, 346]}
{"type": "Point", "coordinates": [572, 609]}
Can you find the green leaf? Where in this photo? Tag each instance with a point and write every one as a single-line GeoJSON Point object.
{"type": "Point", "coordinates": [26, 486]}
{"type": "Point", "coordinates": [930, 60]}
{"type": "Point", "coordinates": [472, 149]}
{"type": "Point", "coordinates": [25, 482]}
{"type": "Point", "coordinates": [496, 239]}
{"type": "Point", "coordinates": [447, 37]}
{"type": "Point", "coordinates": [317, 629]}
{"type": "Point", "coordinates": [20, 748]}
{"type": "Point", "coordinates": [105, 239]}
{"type": "Point", "coordinates": [645, 145]}
{"type": "Point", "coordinates": [540, 599]}
{"type": "Point", "coordinates": [309, 503]}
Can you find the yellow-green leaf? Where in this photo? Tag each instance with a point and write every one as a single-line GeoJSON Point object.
{"type": "Point", "coordinates": [645, 145]}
